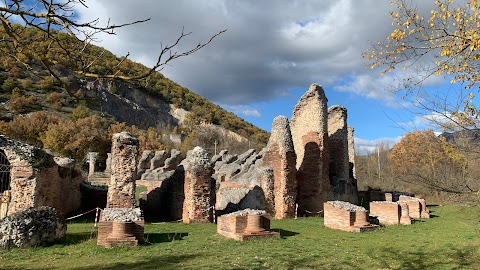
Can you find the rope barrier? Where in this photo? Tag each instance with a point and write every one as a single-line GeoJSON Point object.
{"type": "Point", "coordinates": [79, 215]}
{"type": "Point", "coordinates": [314, 212]}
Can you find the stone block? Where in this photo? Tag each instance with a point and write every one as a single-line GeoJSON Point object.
{"type": "Point", "coordinates": [345, 216]}
{"type": "Point", "coordinates": [388, 213]}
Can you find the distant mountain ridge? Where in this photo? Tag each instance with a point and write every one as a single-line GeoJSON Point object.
{"type": "Point", "coordinates": [469, 136]}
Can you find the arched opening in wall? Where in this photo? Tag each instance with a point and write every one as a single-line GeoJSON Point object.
{"type": "Point", "coordinates": [4, 172]}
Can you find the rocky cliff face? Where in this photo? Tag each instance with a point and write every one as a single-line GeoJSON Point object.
{"type": "Point", "coordinates": [131, 105]}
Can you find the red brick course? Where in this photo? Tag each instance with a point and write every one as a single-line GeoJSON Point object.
{"type": "Point", "coordinates": [351, 220]}
{"type": "Point", "coordinates": [120, 233]}
{"type": "Point", "coordinates": [236, 227]}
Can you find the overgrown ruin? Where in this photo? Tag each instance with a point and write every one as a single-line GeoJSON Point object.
{"type": "Point", "coordinates": [30, 177]}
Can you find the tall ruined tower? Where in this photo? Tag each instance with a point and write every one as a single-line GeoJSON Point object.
{"type": "Point", "coordinates": [338, 145]}
{"type": "Point", "coordinates": [280, 156]}
{"type": "Point", "coordinates": [310, 139]}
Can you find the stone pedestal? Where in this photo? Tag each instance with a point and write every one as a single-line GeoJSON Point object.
{"type": "Point", "coordinates": [120, 227]}
{"type": "Point", "coordinates": [245, 224]}
{"type": "Point", "coordinates": [92, 159]}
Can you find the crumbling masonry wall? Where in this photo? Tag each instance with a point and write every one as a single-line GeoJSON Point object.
{"type": "Point", "coordinates": [417, 207]}
{"type": "Point", "coordinates": [387, 213]}
{"type": "Point", "coordinates": [280, 156]}
{"type": "Point", "coordinates": [338, 149]}
{"type": "Point", "coordinates": [38, 180]}
{"type": "Point", "coordinates": [121, 190]}
{"type": "Point", "coordinates": [345, 216]}
{"type": "Point", "coordinates": [310, 139]}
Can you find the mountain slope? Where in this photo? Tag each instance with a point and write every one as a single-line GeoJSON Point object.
{"type": "Point", "coordinates": [153, 102]}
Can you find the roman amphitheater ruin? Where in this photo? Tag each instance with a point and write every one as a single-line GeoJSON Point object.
{"type": "Point", "coordinates": [306, 169]}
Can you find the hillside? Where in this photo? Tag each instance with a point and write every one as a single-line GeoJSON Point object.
{"type": "Point", "coordinates": [151, 107]}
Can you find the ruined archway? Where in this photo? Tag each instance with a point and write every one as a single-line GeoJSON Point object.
{"type": "Point", "coordinates": [5, 178]}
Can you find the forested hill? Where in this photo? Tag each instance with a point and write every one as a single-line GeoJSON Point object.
{"type": "Point", "coordinates": [51, 111]}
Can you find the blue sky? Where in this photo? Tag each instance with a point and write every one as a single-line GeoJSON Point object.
{"type": "Point", "coordinates": [272, 51]}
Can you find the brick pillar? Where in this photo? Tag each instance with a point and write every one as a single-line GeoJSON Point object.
{"type": "Point", "coordinates": [198, 187]}
{"type": "Point", "coordinates": [121, 190]}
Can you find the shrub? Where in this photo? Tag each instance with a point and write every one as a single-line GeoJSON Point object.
{"type": "Point", "coordinates": [80, 112]}
{"type": "Point", "coordinates": [28, 128]}
{"type": "Point", "coordinates": [8, 85]}
{"type": "Point", "coordinates": [19, 103]}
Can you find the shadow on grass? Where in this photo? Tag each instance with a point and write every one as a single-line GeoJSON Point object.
{"type": "Point", "coordinates": [159, 262]}
{"type": "Point", "coordinates": [77, 238]}
{"type": "Point", "coordinates": [458, 258]}
{"type": "Point", "coordinates": [152, 238]}
{"type": "Point", "coordinates": [284, 233]}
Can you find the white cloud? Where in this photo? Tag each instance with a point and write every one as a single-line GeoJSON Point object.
{"type": "Point", "coordinates": [270, 48]}
{"type": "Point", "coordinates": [363, 146]}
{"type": "Point", "coordinates": [244, 110]}
{"type": "Point", "coordinates": [431, 120]}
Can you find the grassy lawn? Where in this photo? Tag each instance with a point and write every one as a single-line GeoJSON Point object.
{"type": "Point", "coordinates": [450, 240]}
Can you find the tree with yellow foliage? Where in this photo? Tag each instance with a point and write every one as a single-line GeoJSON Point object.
{"type": "Point", "coordinates": [423, 158]}
{"type": "Point", "coordinates": [445, 43]}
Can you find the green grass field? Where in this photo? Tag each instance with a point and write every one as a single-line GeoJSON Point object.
{"type": "Point", "coordinates": [450, 240]}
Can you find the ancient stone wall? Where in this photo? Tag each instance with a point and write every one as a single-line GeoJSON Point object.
{"type": "Point", "coordinates": [37, 180]}
{"type": "Point", "coordinates": [310, 139]}
{"type": "Point", "coordinates": [198, 202]}
{"type": "Point", "coordinates": [338, 149]}
{"type": "Point", "coordinates": [345, 216]}
{"type": "Point", "coordinates": [351, 156]}
{"type": "Point", "coordinates": [59, 187]}
{"type": "Point", "coordinates": [121, 190]}
{"type": "Point", "coordinates": [144, 162]}
{"type": "Point", "coordinates": [387, 213]}
{"type": "Point", "coordinates": [280, 156]}
{"type": "Point", "coordinates": [417, 207]}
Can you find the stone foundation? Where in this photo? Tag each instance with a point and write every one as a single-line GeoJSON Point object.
{"type": "Point", "coordinates": [117, 233]}
{"type": "Point", "coordinates": [417, 207]}
{"type": "Point", "coordinates": [345, 216]}
{"type": "Point", "coordinates": [388, 213]}
{"type": "Point", "coordinates": [245, 224]}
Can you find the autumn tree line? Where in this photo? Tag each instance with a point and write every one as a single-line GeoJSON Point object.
{"type": "Point", "coordinates": [424, 164]}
